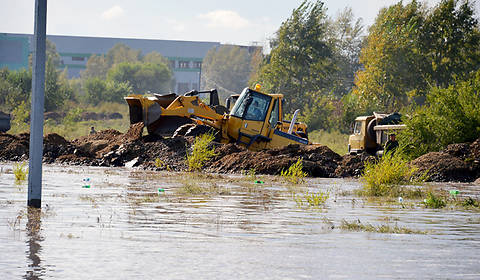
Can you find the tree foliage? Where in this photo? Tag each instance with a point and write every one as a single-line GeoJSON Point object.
{"type": "Point", "coordinates": [142, 77]}
{"type": "Point", "coordinates": [228, 68]}
{"type": "Point", "coordinates": [409, 49]}
{"type": "Point", "coordinates": [450, 115]}
{"type": "Point", "coordinates": [301, 59]}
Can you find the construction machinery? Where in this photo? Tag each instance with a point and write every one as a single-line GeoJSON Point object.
{"type": "Point", "coordinates": [255, 121]}
{"type": "Point", "coordinates": [371, 132]}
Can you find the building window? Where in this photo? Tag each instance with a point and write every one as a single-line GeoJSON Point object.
{"type": "Point", "coordinates": [183, 87]}
{"type": "Point", "coordinates": [183, 64]}
{"type": "Point", "coordinates": [78, 58]}
{"type": "Point", "coordinates": [197, 64]}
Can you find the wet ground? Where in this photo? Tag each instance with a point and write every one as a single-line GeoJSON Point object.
{"type": "Point", "coordinates": [124, 227]}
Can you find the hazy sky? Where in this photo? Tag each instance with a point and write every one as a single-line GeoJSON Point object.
{"type": "Point", "coordinates": [226, 21]}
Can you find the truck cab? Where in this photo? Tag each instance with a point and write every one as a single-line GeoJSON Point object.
{"type": "Point", "coordinates": [371, 132]}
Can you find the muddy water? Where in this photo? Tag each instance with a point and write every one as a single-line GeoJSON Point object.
{"type": "Point", "coordinates": [122, 227]}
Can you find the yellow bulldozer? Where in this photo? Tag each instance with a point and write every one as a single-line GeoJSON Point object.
{"type": "Point", "coordinates": [255, 121]}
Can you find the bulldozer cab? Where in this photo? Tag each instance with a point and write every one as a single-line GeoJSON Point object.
{"type": "Point", "coordinates": [256, 120]}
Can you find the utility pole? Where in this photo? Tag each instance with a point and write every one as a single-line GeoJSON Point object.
{"type": "Point", "coordinates": [38, 96]}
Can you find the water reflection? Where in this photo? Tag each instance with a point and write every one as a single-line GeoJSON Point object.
{"type": "Point", "coordinates": [33, 228]}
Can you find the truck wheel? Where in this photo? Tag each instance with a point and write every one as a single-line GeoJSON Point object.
{"type": "Point", "coordinates": [198, 130]}
{"type": "Point", "coordinates": [181, 130]}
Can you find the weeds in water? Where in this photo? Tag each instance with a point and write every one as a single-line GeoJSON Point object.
{"type": "Point", "coordinates": [295, 174]}
{"type": "Point", "coordinates": [201, 152]}
{"type": "Point", "coordinates": [191, 188]}
{"type": "Point", "coordinates": [252, 174]}
{"type": "Point", "coordinates": [383, 177]}
{"type": "Point", "coordinates": [20, 172]}
{"type": "Point", "coordinates": [161, 164]}
{"type": "Point", "coordinates": [383, 228]}
{"type": "Point", "coordinates": [471, 203]}
{"type": "Point", "coordinates": [434, 201]}
{"type": "Point", "coordinates": [311, 199]}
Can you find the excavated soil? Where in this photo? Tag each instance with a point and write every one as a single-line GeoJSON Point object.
{"type": "Point", "coordinates": [458, 162]}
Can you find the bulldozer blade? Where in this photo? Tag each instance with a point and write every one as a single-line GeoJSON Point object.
{"type": "Point", "coordinates": [166, 125]}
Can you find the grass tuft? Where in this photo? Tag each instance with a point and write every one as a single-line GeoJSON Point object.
{"type": "Point", "coordinates": [20, 172]}
{"type": "Point", "coordinates": [201, 152]}
{"type": "Point", "coordinates": [294, 174]}
{"type": "Point", "coordinates": [385, 176]}
{"type": "Point", "coordinates": [383, 228]}
{"type": "Point", "coordinates": [311, 199]}
{"type": "Point", "coordinates": [434, 201]}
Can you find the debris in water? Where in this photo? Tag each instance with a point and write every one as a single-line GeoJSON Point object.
{"type": "Point", "coordinates": [258, 182]}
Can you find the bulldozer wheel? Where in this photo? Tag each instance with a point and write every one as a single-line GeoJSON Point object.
{"type": "Point", "coordinates": [182, 130]}
{"type": "Point", "coordinates": [198, 130]}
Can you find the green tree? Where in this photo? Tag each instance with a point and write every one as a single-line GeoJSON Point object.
{"type": "Point", "coordinates": [450, 115]}
{"type": "Point", "coordinates": [142, 77]}
{"type": "Point", "coordinates": [226, 68]}
{"type": "Point", "coordinates": [410, 48]}
{"type": "Point", "coordinates": [301, 60]}
{"type": "Point", "coordinates": [94, 90]}
{"type": "Point", "coordinates": [155, 58]}
{"type": "Point", "coordinates": [122, 53]}
{"type": "Point", "coordinates": [57, 89]}
{"type": "Point", "coordinates": [97, 67]}
{"type": "Point", "coordinates": [393, 64]}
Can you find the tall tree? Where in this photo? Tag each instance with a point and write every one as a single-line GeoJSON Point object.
{"type": "Point", "coordinates": [226, 68]}
{"type": "Point", "coordinates": [410, 48]}
{"type": "Point", "coordinates": [142, 77]}
{"type": "Point", "coordinates": [301, 60]}
{"type": "Point", "coordinates": [122, 53]}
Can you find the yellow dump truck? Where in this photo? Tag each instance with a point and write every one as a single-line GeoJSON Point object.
{"type": "Point", "coordinates": [255, 121]}
{"type": "Point", "coordinates": [371, 132]}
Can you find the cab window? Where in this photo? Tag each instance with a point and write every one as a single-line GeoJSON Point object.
{"type": "Point", "coordinates": [274, 116]}
{"type": "Point", "coordinates": [357, 128]}
{"type": "Point", "coordinates": [251, 106]}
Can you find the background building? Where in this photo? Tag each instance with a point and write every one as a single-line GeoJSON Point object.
{"type": "Point", "coordinates": [185, 56]}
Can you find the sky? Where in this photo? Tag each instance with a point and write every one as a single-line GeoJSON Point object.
{"type": "Point", "coordinates": [243, 22]}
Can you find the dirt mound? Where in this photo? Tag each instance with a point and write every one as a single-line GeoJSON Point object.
{"type": "Point", "coordinates": [318, 161]}
{"type": "Point", "coordinates": [444, 167]}
{"type": "Point", "coordinates": [461, 150]}
{"type": "Point", "coordinates": [352, 165]}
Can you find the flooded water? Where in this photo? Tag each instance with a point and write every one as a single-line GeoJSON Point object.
{"type": "Point", "coordinates": [132, 224]}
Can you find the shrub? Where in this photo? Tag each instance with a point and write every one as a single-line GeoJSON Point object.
{"type": "Point", "coordinates": [19, 172]}
{"type": "Point", "coordinates": [201, 152]}
{"type": "Point", "coordinates": [312, 199]}
{"type": "Point", "coordinates": [383, 177]}
{"type": "Point", "coordinates": [451, 115]}
{"type": "Point", "coordinates": [294, 174]}
{"type": "Point", "coordinates": [433, 201]}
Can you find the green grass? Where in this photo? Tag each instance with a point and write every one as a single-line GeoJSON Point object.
{"type": "Point", "coordinates": [201, 153]}
{"type": "Point", "coordinates": [434, 201]}
{"type": "Point", "coordinates": [335, 140]}
{"type": "Point", "coordinates": [311, 199]}
{"type": "Point", "coordinates": [294, 174]}
{"type": "Point", "coordinates": [383, 228]}
{"type": "Point", "coordinates": [384, 177]}
{"type": "Point", "coordinates": [20, 172]}
{"type": "Point", "coordinates": [70, 128]}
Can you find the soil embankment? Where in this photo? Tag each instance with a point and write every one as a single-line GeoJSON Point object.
{"type": "Point", "coordinates": [458, 162]}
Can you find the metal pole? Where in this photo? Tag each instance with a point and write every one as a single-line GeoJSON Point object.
{"type": "Point", "coordinates": [36, 120]}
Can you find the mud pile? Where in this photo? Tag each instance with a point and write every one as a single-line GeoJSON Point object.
{"type": "Point", "coordinates": [457, 162]}
{"type": "Point", "coordinates": [318, 161]}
